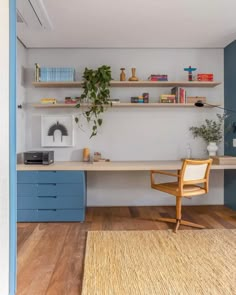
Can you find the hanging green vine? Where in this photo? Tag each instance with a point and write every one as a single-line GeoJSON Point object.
{"type": "Point", "coordinates": [96, 93]}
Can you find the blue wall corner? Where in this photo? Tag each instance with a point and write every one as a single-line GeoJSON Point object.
{"type": "Point", "coordinates": [230, 103]}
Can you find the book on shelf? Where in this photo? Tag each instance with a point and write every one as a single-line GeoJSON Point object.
{"type": "Point", "coordinates": [37, 72]}
{"type": "Point", "coordinates": [158, 77]}
{"type": "Point", "coordinates": [49, 74]}
{"type": "Point", "coordinates": [180, 94]}
{"type": "Point", "coordinates": [205, 77]}
{"type": "Point", "coordinates": [48, 100]}
{"type": "Point", "coordinates": [167, 98]}
{"type": "Point", "coordinates": [72, 100]}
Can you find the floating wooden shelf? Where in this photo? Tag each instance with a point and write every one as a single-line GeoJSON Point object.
{"type": "Point", "coordinates": [76, 84]}
{"type": "Point", "coordinates": [58, 84]}
{"type": "Point", "coordinates": [163, 84]}
{"type": "Point", "coordinates": [122, 104]}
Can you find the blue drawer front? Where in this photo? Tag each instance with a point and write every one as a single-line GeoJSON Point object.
{"type": "Point", "coordinates": [50, 177]}
{"type": "Point", "coordinates": [50, 203]}
{"type": "Point", "coordinates": [48, 189]}
{"type": "Point", "coordinates": [50, 215]}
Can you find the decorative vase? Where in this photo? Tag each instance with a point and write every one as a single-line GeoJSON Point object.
{"type": "Point", "coordinates": [122, 75]}
{"type": "Point", "coordinates": [212, 148]}
{"type": "Point", "coordinates": [133, 78]}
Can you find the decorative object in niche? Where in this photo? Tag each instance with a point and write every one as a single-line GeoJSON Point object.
{"type": "Point", "coordinates": [96, 93]}
{"type": "Point", "coordinates": [211, 131]}
{"type": "Point", "coordinates": [37, 72]}
{"type": "Point", "coordinates": [190, 71]}
{"type": "Point", "coordinates": [133, 78]}
{"type": "Point", "coordinates": [86, 155]}
{"type": "Point", "coordinates": [212, 149]}
{"type": "Point", "coordinates": [57, 131]}
{"type": "Point", "coordinates": [122, 75]}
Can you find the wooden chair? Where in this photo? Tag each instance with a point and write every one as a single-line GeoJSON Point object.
{"type": "Point", "coordinates": [192, 180]}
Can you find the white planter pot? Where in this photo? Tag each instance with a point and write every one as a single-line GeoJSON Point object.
{"type": "Point", "coordinates": [212, 148]}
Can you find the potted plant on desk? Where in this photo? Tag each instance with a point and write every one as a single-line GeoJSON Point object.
{"type": "Point", "coordinates": [96, 93]}
{"type": "Point", "coordinates": [212, 132]}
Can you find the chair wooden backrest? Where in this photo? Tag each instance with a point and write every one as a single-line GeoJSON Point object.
{"type": "Point", "coordinates": [195, 172]}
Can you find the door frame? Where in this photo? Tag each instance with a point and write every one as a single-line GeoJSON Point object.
{"type": "Point", "coordinates": [12, 149]}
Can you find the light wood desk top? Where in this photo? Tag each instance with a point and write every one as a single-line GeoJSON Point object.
{"type": "Point", "coordinates": [114, 166]}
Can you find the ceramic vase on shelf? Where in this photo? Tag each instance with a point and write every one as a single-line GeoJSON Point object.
{"type": "Point", "coordinates": [212, 148]}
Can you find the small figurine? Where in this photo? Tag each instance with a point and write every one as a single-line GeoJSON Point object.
{"type": "Point", "coordinates": [190, 74]}
{"type": "Point", "coordinates": [133, 78]}
{"type": "Point", "coordinates": [122, 75]}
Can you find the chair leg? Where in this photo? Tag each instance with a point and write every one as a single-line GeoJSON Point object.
{"type": "Point", "coordinates": [178, 213]}
{"type": "Point", "coordinates": [178, 221]}
{"type": "Point", "coordinates": [178, 208]}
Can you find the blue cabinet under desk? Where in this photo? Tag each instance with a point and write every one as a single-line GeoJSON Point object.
{"type": "Point", "coordinates": [44, 196]}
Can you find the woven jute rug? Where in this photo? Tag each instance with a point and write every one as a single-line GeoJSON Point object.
{"type": "Point", "coordinates": [160, 262]}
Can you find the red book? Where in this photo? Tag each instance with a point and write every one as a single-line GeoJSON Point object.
{"type": "Point", "coordinates": [182, 95]}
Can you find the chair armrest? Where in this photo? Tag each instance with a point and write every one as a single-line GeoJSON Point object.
{"type": "Point", "coordinates": [161, 172]}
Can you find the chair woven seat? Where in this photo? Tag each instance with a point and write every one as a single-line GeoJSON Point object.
{"type": "Point", "coordinates": [194, 190]}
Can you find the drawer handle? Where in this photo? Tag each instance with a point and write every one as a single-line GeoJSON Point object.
{"type": "Point", "coordinates": [46, 184]}
{"type": "Point", "coordinates": [52, 197]}
{"type": "Point", "coordinates": [47, 210]}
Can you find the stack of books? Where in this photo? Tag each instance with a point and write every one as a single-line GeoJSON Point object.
{"type": "Point", "coordinates": [157, 77]}
{"type": "Point", "coordinates": [72, 100]}
{"type": "Point", "coordinates": [167, 98]}
{"type": "Point", "coordinates": [205, 77]}
{"type": "Point", "coordinates": [137, 99]}
{"type": "Point", "coordinates": [47, 74]}
{"type": "Point", "coordinates": [48, 100]}
{"type": "Point", "coordinates": [180, 94]}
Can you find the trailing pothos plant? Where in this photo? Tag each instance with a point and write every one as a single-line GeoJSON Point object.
{"type": "Point", "coordinates": [96, 93]}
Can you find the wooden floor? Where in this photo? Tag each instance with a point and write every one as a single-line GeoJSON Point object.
{"type": "Point", "coordinates": [51, 255]}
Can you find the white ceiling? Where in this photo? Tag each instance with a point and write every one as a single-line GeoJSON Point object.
{"type": "Point", "coordinates": [130, 23]}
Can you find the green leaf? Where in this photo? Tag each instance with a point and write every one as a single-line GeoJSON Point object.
{"type": "Point", "coordinates": [100, 122]}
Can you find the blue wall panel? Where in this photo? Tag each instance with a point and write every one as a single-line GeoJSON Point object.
{"type": "Point", "coordinates": [230, 103]}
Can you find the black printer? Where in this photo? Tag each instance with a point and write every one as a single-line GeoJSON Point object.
{"type": "Point", "coordinates": [39, 157]}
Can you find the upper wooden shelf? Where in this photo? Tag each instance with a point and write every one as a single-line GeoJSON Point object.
{"type": "Point", "coordinates": [122, 104]}
{"type": "Point", "coordinates": [113, 83]}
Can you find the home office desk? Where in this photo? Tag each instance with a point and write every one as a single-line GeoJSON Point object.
{"type": "Point", "coordinates": [114, 166]}
{"type": "Point", "coordinates": [58, 192]}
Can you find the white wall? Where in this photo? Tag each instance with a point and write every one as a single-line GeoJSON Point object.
{"type": "Point", "coordinates": [131, 133]}
{"type": "Point", "coordinates": [4, 148]}
{"type": "Point", "coordinates": [21, 97]}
